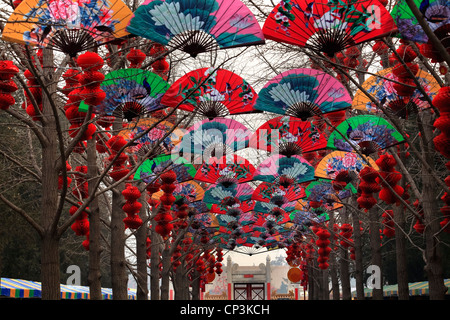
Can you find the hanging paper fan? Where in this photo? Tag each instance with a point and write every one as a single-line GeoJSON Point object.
{"type": "Point", "coordinates": [303, 93]}
{"type": "Point", "coordinates": [232, 168]}
{"type": "Point", "coordinates": [328, 26]}
{"type": "Point", "coordinates": [203, 224]}
{"type": "Point", "coordinates": [232, 235]}
{"type": "Point", "coordinates": [322, 193]}
{"type": "Point", "coordinates": [212, 93]}
{"type": "Point", "coordinates": [199, 207]}
{"type": "Point", "coordinates": [151, 134]}
{"type": "Point", "coordinates": [366, 133]}
{"type": "Point", "coordinates": [275, 193]}
{"type": "Point", "coordinates": [285, 170]}
{"type": "Point", "coordinates": [305, 218]}
{"type": "Point", "coordinates": [288, 136]}
{"type": "Point", "coordinates": [380, 88]}
{"type": "Point", "coordinates": [151, 168]}
{"type": "Point", "coordinates": [281, 211]}
{"type": "Point", "coordinates": [435, 12]}
{"type": "Point", "coordinates": [190, 191]}
{"type": "Point", "coordinates": [230, 196]}
{"type": "Point", "coordinates": [244, 206]}
{"type": "Point", "coordinates": [69, 26]}
{"type": "Point", "coordinates": [338, 161]}
{"type": "Point", "coordinates": [195, 27]}
{"type": "Point", "coordinates": [130, 93]}
{"type": "Point", "coordinates": [207, 138]}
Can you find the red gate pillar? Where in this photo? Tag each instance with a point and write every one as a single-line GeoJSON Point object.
{"type": "Point", "coordinates": [268, 290]}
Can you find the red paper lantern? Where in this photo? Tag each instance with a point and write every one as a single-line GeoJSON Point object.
{"type": "Point", "coordinates": [118, 172]}
{"type": "Point", "coordinates": [380, 47]}
{"type": "Point", "coordinates": [294, 275]}
{"type": "Point", "coordinates": [160, 66]}
{"type": "Point", "coordinates": [8, 86]}
{"type": "Point", "coordinates": [74, 115]}
{"type": "Point", "coordinates": [443, 123]}
{"type": "Point", "coordinates": [132, 221]}
{"type": "Point", "coordinates": [153, 187]}
{"type": "Point", "coordinates": [91, 79]}
{"type": "Point", "coordinates": [116, 143]}
{"type": "Point", "coordinates": [164, 230]}
{"type": "Point", "coordinates": [442, 99]}
{"type": "Point", "coordinates": [427, 49]}
{"type": "Point", "coordinates": [7, 70]}
{"type": "Point", "coordinates": [6, 100]}
{"type": "Point", "coordinates": [81, 227]}
{"type": "Point", "coordinates": [74, 129]}
{"type": "Point", "coordinates": [168, 187]}
{"type": "Point", "coordinates": [366, 201]}
{"type": "Point", "coordinates": [419, 227]}
{"type": "Point", "coordinates": [136, 57]}
{"type": "Point", "coordinates": [406, 53]}
{"type": "Point", "coordinates": [131, 193]}
{"type": "Point", "coordinates": [401, 71]}
{"type": "Point", "coordinates": [406, 88]}
{"type": "Point", "coordinates": [132, 207]}
{"type": "Point", "coordinates": [93, 96]}
{"type": "Point", "coordinates": [90, 61]}
{"type": "Point", "coordinates": [168, 177]}
{"type": "Point", "coordinates": [442, 145]}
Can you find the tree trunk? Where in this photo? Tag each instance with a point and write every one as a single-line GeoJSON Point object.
{"type": "Point", "coordinates": [181, 283]}
{"type": "Point", "coordinates": [345, 275]}
{"type": "Point", "coordinates": [344, 265]}
{"type": "Point", "coordinates": [94, 277]}
{"type": "Point", "coordinates": [375, 247]}
{"type": "Point", "coordinates": [50, 269]}
{"type": "Point", "coordinates": [119, 277]}
{"type": "Point", "coordinates": [141, 254]}
{"type": "Point", "coordinates": [311, 281]}
{"type": "Point", "coordinates": [433, 253]}
{"type": "Point", "coordinates": [165, 275]}
{"type": "Point", "coordinates": [333, 262]}
{"type": "Point", "coordinates": [325, 286]}
{"type": "Point", "coordinates": [154, 264]}
{"type": "Point", "coordinates": [359, 268]}
{"type": "Point", "coordinates": [196, 286]}
{"type": "Point", "coordinates": [400, 252]}
{"type": "Point", "coordinates": [50, 273]}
